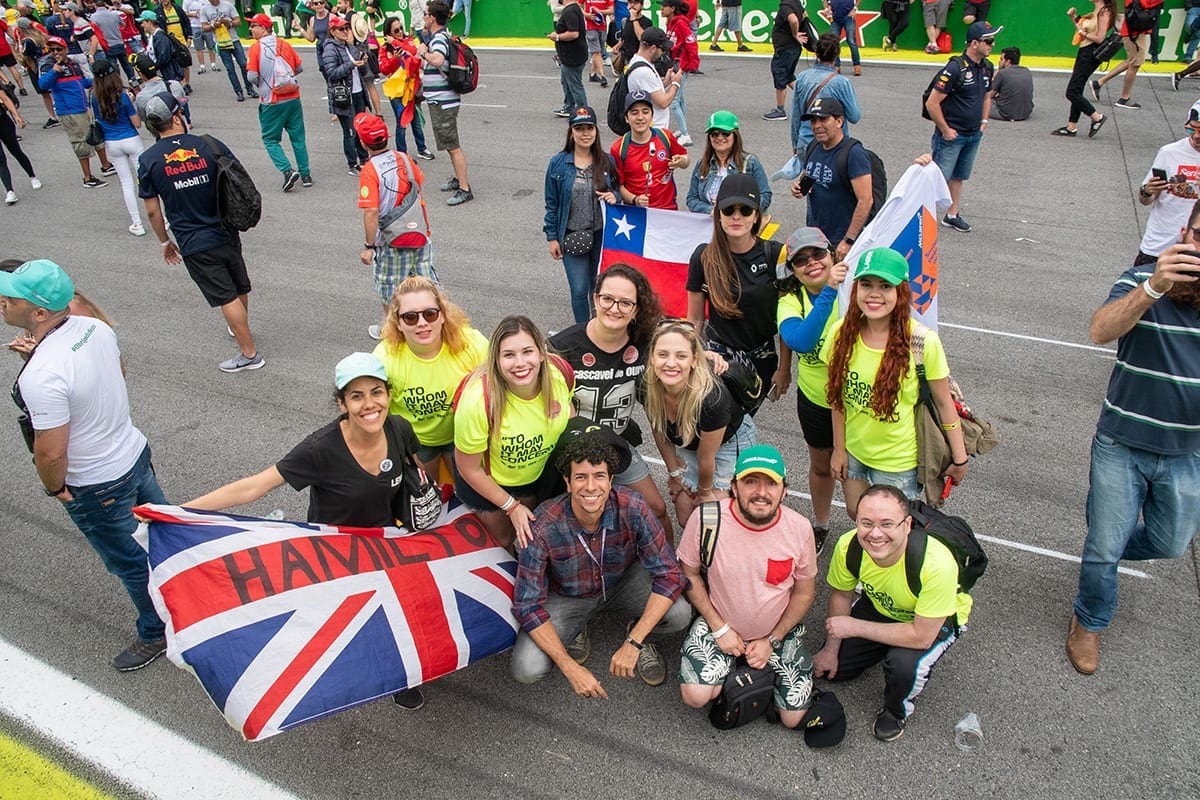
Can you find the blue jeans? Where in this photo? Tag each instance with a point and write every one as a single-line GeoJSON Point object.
{"type": "Point", "coordinates": [227, 58]}
{"type": "Point", "coordinates": [418, 131]}
{"type": "Point", "coordinates": [581, 278]}
{"type": "Point", "coordinates": [1191, 33]}
{"type": "Point", "coordinates": [849, 26]}
{"type": "Point", "coordinates": [572, 82]}
{"type": "Point", "coordinates": [956, 158]}
{"type": "Point", "coordinates": [117, 53]}
{"type": "Point", "coordinates": [104, 513]}
{"type": "Point", "coordinates": [464, 6]}
{"type": "Point", "coordinates": [1126, 483]}
{"type": "Point", "coordinates": [679, 107]}
{"type": "Point", "coordinates": [569, 615]}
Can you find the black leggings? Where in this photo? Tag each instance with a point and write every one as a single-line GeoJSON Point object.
{"type": "Point", "coordinates": [1085, 65]}
{"type": "Point", "coordinates": [897, 16]}
{"type": "Point", "coordinates": [8, 138]}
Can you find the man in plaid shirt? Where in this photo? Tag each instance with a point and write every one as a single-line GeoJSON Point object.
{"type": "Point", "coordinates": [596, 549]}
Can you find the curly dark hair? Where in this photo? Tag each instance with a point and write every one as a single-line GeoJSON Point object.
{"type": "Point", "coordinates": [584, 447]}
{"type": "Point", "coordinates": [649, 310]}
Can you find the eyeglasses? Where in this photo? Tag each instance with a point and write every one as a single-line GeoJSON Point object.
{"type": "Point", "coordinates": [887, 525]}
{"type": "Point", "coordinates": [607, 301]}
{"type": "Point", "coordinates": [745, 211]}
{"type": "Point", "coordinates": [428, 314]}
{"type": "Point", "coordinates": [802, 258]}
{"type": "Point", "coordinates": [720, 134]}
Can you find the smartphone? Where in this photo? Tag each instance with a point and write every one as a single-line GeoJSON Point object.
{"type": "Point", "coordinates": [1193, 254]}
{"type": "Point", "coordinates": [806, 183]}
{"type": "Point", "coordinates": [1159, 173]}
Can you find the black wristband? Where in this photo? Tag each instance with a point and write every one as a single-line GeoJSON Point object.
{"type": "Point", "coordinates": [634, 642]}
{"type": "Point", "coordinates": [962, 463]}
{"type": "Point", "coordinates": [55, 492]}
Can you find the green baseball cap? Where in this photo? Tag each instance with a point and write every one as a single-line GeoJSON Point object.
{"type": "Point", "coordinates": [41, 282]}
{"type": "Point", "coordinates": [760, 458]}
{"type": "Point", "coordinates": [723, 121]}
{"type": "Point", "coordinates": [148, 16]}
{"type": "Point", "coordinates": [883, 262]}
{"type": "Point", "coordinates": [358, 365]}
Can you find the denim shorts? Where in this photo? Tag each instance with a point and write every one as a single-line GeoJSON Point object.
{"type": "Point", "coordinates": [904, 481]}
{"type": "Point", "coordinates": [726, 458]}
{"type": "Point", "coordinates": [956, 158]}
{"type": "Point", "coordinates": [636, 470]}
{"type": "Point", "coordinates": [783, 66]}
{"type": "Point", "coordinates": [427, 453]}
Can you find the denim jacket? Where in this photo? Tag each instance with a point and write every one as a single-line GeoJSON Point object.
{"type": "Point", "coordinates": [560, 177]}
{"type": "Point", "coordinates": [697, 196]}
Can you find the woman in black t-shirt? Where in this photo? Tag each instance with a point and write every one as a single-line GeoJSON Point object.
{"type": "Point", "coordinates": [733, 279]}
{"type": "Point", "coordinates": [698, 427]}
{"type": "Point", "coordinates": [352, 465]}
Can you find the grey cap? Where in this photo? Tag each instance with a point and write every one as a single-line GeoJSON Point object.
{"type": "Point", "coordinates": [160, 109]}
{"type": "Point", "coordinates": [800, 239]}
{"type": "Point", "coordinates": [24, 22]}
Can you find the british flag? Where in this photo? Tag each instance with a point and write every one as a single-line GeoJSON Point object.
{"type": "Point", "coordinates": [285, 622]}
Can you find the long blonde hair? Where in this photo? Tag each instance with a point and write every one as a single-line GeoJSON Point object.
{"type": "Point", "coordinates": [700, 384]}
{"type": "Point", "coordinates": [497, 386]}
{"type": "Point", "coordinates": [454, 319]}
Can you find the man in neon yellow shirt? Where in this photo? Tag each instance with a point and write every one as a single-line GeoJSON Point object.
{"type": "Point", "coordinates": [906, 627]}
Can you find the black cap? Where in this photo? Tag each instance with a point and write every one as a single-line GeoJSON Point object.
{"type": "Point", "coordinates": [145, 65]}
{"type": "Point", "coordinates": [738, 188]}
{"type": "Point", "coordinates": [825, 107]}
{"type": "Point", "coordinates": [655, 36]}
{"type": "Point", "coordinates": [825, 721]}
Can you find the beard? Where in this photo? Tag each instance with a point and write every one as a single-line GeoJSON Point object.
{"type": "Point", "coordinates": [1186, 294]}
{"type": "Point", "coordinates": [753, 518]}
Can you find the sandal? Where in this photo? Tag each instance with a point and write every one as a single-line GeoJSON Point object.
{"type": "Point", "coordinates": [1064, 131]}
{"type": "Point", "coordinates": [1095, 127]}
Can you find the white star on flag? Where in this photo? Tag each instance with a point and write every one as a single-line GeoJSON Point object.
{"type": "Point", "coordinates": [624, 227]}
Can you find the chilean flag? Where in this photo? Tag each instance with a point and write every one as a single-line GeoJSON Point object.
{"type": "Point", "coordinates": [657, 242]}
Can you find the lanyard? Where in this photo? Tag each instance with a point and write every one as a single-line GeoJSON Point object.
{"type": "Point", "coordinates": [596, 561]}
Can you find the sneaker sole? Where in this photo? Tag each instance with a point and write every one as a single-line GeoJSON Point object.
{"type": "Point", "coordinates": [650, 682]}
{"type": "Point", "coordinates": [258, 365]}
{"type": "Point", "coordinates": [291, 182]}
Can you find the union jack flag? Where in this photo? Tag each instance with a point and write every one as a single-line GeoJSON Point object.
{"type": "Point", "coordinates": [285, 622]}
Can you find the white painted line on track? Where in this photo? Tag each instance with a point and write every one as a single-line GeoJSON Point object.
{"type": "Point", "coordinates": [1039, 339]}
{"type": "Point", "coordinates": [483, 105]}
{"type": "Point", "coordinates": [137, 751]}
{"type": "Point", "coordinates": [1028, 548]}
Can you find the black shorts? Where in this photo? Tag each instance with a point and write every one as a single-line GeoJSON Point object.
{"type": "Point", "coordinates": [978, 9]}
{"type": "Point", "coordinates": [783, 66]}
{"type": "Point", "coordinates": [220, 272]}
{"type": "Point", "coordinates": [8, 61]}
{"type": "Point", "coordinates": [816, 422]}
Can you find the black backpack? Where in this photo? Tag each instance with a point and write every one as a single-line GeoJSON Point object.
{"type": "Point", "coordinates": [954, 532]}
{"type": "Point", "coordinates": [462, 66]}
{"type": "Point", "coordinates": [239, 200]}
{"type": "Point", "coordinates": [616, 100]}
{"type": "Point", "coordinates": [1141, 16]}
{"type": "Point", "coordinates": [987, 66]}
{"type": "Point", "coordinates": [879, 187]}
{"type": "Point", "coordinates": [182, 55]}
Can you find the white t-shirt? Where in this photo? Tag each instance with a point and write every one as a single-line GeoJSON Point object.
{"type": "Point", "coordinates": [1169, 212]}
{"type": "Point", "coordinates": [74, 377]}
{"type": "Point", "coordinates": [648, 81]}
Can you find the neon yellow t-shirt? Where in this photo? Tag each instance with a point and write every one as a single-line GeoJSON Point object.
{"type": "Point", "coordinates": [887, 587]}
{"type": "Point", "coordinates": [885, 445]}
{"type": "Point", "coordinates": [527, 437]}
{"type": "Point", "coordinates": [811, 373]}
{"type": "Point", "coordinates": [423, 389]}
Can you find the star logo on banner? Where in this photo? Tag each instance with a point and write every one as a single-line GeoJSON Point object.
{"type": "Point", "coordinates": [624, 227]}
{"type": "Point", "coordinates": [861, 19]}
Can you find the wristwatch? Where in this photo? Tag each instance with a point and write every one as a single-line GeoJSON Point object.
{"type": "Point", "coordinates": [775, 641]}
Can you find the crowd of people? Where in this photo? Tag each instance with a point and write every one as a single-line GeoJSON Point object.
{"type": "Point", "coordinates": [535, 429]}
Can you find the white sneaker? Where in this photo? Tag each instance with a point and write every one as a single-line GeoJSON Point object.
{"type": "Point", "coordinates": [35, 183]}
{"type": "Point", "coordinates": [685, 140]}
{"type": "Point", "coordinates": [201, 71]}
{"type": "Point", "coordinates": [374, 332]}
{"type": "Point", "coordinates": [10, 198]}
{"type": "Point", "coordinates": [137, 230]}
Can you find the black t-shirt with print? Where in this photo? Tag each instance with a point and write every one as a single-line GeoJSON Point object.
{"type": "Point", "coordinates": [757, 299]}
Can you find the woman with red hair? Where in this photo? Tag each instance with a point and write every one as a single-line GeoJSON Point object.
{"type": "Point", "coordinates": [873, 388]}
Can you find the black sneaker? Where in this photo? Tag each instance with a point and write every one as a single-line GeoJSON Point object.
{"type": "Point", "coordinates": [187, 88]}
{"type": "Point", "coordinates": [562, 112]}
{"type": "Point", "coordinates": [593, 78]}
{"type": "Point", "coordinates": [1125, 102]}
{"type": "Point", "coordinates": [744, 49]}
{"type": "Point", "coordinates": [306, 181]}
{"type": "Point", "coordinates": [450, 185]}
{"type": "Point", "coordinates": [109, 170]}
{"type": "Point", "coordinates": [94, 183]}
{"type": "Point", "coordinates": [887, 727]}
{"type": "Point", "coordinates": [241, 98]}
{"type": "Point", "coordinates": [425, 154]}
{"type": "Point", "coordinates": [775, 114]}
{"type": "Point", "coordinates": [460, 196]}
{"type": "Point", "coordinates": [603, 82]}
{"type": "Point", "coordinates": [290, 178]}
{"type": "Point", "coordinates": [1175, 79]}
{"type": "Point", "coordinates": [716, 48]}
{"type": "Point", "coordinates": [139, 654]}
{"type": "Point", "coordinates": [409, 699]}
{"type": "Point", "coordinates": [820, 534]}
{"type": "Point", "coordinates": [23, 92]}
{"type": "Point", "coordinates": [51, 123]}
{"type": "Point", "coordinates": [957, 222]}
{"type": "Point", "coordinates": [251, 92]}
{"type": "Point", "coordinates": [1095, 87]}
{"type": "Point", "coordinates": [354, 169]}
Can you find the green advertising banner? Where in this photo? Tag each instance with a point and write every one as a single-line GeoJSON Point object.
{"type": "Point", "coordinates": [1038, 27]}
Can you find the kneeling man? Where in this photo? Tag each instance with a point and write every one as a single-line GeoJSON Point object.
{"type": "Point", "coordinates": [759, 586]}
{"type": "Point", "coordinates": [598, 548]}
{"type": "Point", "coordinates": [907, 628]}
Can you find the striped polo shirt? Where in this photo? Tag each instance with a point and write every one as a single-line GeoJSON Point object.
{"type": "Point", "coordinates": [437, 89]}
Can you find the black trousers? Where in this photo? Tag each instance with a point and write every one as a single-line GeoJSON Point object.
{"type": "Point", "coordinates": [1085, 65]}
{"type": "Point", "coordinates": [897, 16]}
{"type": "Point", "coordinates": [8, 140]}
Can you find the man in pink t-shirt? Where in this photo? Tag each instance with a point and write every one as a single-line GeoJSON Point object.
{"type": "Point", "coordinates": [759, 586]}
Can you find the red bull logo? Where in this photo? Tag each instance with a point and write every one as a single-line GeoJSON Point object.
{"type": "Point", "coordinates": [180, 156]}
{"type": "Point", "coordinates": [181, 161]}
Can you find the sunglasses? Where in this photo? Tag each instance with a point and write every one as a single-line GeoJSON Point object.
{"type": "Point", "coordinates": [720, 134]}
{"type": "Point", "coordinates": [674, 322]}
{"type": "Point", "coordinates": [745, 211]}
{"type": "Point", "coordinates": [428, 314]}
{"type": "Point", "coordinates": [805, 256]}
